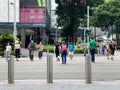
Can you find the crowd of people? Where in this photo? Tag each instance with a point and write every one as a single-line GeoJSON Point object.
{"type": "Point", "coordinates": [103, 48]}
{"type": "Point", "coordinates": [63, 50]}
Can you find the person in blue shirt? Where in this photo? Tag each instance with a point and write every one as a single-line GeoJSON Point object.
{"type": "Point", "coordinates": [71, 50]}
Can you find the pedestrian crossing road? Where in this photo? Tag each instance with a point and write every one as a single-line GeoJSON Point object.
{"type": "Point", "coordinates": [102, 69]}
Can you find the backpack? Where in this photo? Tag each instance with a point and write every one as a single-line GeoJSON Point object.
{"type": "Point", "coordinates": [32, 45]}
{"type": "Point", "coordinates": [64, 48]}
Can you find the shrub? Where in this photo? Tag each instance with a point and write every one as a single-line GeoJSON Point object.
{"type": "Point", "coordinates": [1, 51]}
{"type": "Point", "coordinates": [4, 39]}
{"type": "Point", "coordinates": [49, 47]}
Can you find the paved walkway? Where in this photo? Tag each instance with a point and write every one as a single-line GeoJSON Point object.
{"type": "Point", "coordinates": [60, 85]}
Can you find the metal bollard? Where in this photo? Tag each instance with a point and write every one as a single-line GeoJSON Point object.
{"type": "Point", "coordinates": [49, 68]}
{"type": "Point", "coordinates": [11, 70]}
{"type": "Point", "coordinates": [88, 69]}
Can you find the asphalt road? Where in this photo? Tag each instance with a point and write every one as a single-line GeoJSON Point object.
{"type": "Point", "coordinates": [103, 69]}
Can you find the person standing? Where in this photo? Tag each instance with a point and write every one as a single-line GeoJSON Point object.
{"type": "Point", "coordinates": [92, 47]}
{"type": "Point", "coordinates": [64, 52]}
{"type": "Point", "coordinates": [71, 50]}
{"type": "Point", "coordinates": [57, 51]}
{"type": "Point", "coordinates": [8, 51]}
{"type": "Point", "coordinates": [17, 48]}
{"type": "Point", "coordinates": [112, 49]}
{"type": "Point", "coordinates": [103, 49]}
{"type": "Point", "coordinates": [40, 50]}
{"type": "Point", "coordinates": [31, 48]}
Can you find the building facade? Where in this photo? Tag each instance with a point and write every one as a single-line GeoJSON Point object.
{"type": "Point", "coordinates": [31, 16]}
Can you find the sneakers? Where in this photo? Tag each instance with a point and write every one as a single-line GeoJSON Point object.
{"type": "Point", "coordinates": [58, 58]}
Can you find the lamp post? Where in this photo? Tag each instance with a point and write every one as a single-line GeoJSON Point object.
{"type": "Point", "coordinates": [14, 33]}
{"type": "Point", "coordinates": [88, 17]}
{"type": "Point", "coordinates": [14, 22]}
{"type": "Point", "coordinates": [85, 30]}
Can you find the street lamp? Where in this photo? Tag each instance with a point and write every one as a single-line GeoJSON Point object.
{"type": "Point", "coordinates": [14, 31]}
{"type": "Point", "coordinates": [85, 30]}
{"type": "Point", "coordinates": [88, 17]}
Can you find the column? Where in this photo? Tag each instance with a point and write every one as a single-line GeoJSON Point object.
{"type": "Point", "coordinates": [23, 37]}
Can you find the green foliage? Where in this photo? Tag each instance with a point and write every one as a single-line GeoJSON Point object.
{"type": "Point", "coordinates": [118, 47]}
{"type": "Point", "coordinates": [49, 47]}
{"type": "Point", "coordinates": [106, 14]}
{"type": "Point", "coordinates": [70, 12]}
{"type": "Point", "coordinates": [5, 38]}
{"type": "Point", "coordinates": [1, 51]}
{"type": "Point", "coordinates": [78, 50]}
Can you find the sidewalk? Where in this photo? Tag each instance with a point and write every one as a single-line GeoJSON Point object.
{"type": "Point", "coordinates": [60, 85]}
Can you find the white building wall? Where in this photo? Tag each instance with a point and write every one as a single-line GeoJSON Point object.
{"type": "Point", "coordinates": [7, 10]}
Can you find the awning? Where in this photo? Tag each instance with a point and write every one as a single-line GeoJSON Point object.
{"type": "Point", "coordinates": [8, 25]}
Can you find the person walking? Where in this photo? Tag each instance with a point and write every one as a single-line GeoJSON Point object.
{"type": "Point", "coordinates": [17, 48]}
{"type": "Point", "coordinates": [103, 49]}
{"type": "Point", "coordinates": [8, 51]}
{"type": "Point", "coordinates": [107, 50]}
{"type": "Point", "coordinates": [64, 52]}
{"type": "Point", "coordinates": [40, 50]}
{"type": "Point", "coordinates": [92, 47]}
{"type": "Point", "coordinates": [71, 50]}
{"type": "Point", "coordinates": [112, 49]}
{"type": "Point", "coordinates": [31, 48]}
{"type": "Point", "coordinates": [57, 51]}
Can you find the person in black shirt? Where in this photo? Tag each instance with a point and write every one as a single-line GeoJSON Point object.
{"type": "Point", "coordinates": [57, 51]}
{"type": "Point", "coordinates": [112, 49]}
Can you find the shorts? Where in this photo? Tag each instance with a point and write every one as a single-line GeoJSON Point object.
{"type": "Point", "coordinates": [71, 53]}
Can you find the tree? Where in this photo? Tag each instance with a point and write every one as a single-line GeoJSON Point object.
{"type": "Point", "coordinates": [106, 14]}
{"type": "Point", "coordinates": [70, 13]}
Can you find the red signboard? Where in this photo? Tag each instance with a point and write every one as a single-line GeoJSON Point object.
{"type": "Point", "coordinates": [33, 15]}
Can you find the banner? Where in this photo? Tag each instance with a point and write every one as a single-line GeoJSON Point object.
{"type": "Point", "coordinates": [33, 15]}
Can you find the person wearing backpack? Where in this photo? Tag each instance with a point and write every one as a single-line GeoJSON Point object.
{"type": "Point", "coordinates": [57, 51]}
{"type": "Point", "coordinates": [71, 50]}
{"type": "Point", "coordinates": [31, 48]}
{"type": "Point", "coordinates": [64, 52]}
{"type": "Point", "coordinates": [112, 49]}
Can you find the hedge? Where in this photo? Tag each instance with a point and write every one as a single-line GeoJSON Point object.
{"type": "Point", "coordinates": [51, 49]}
